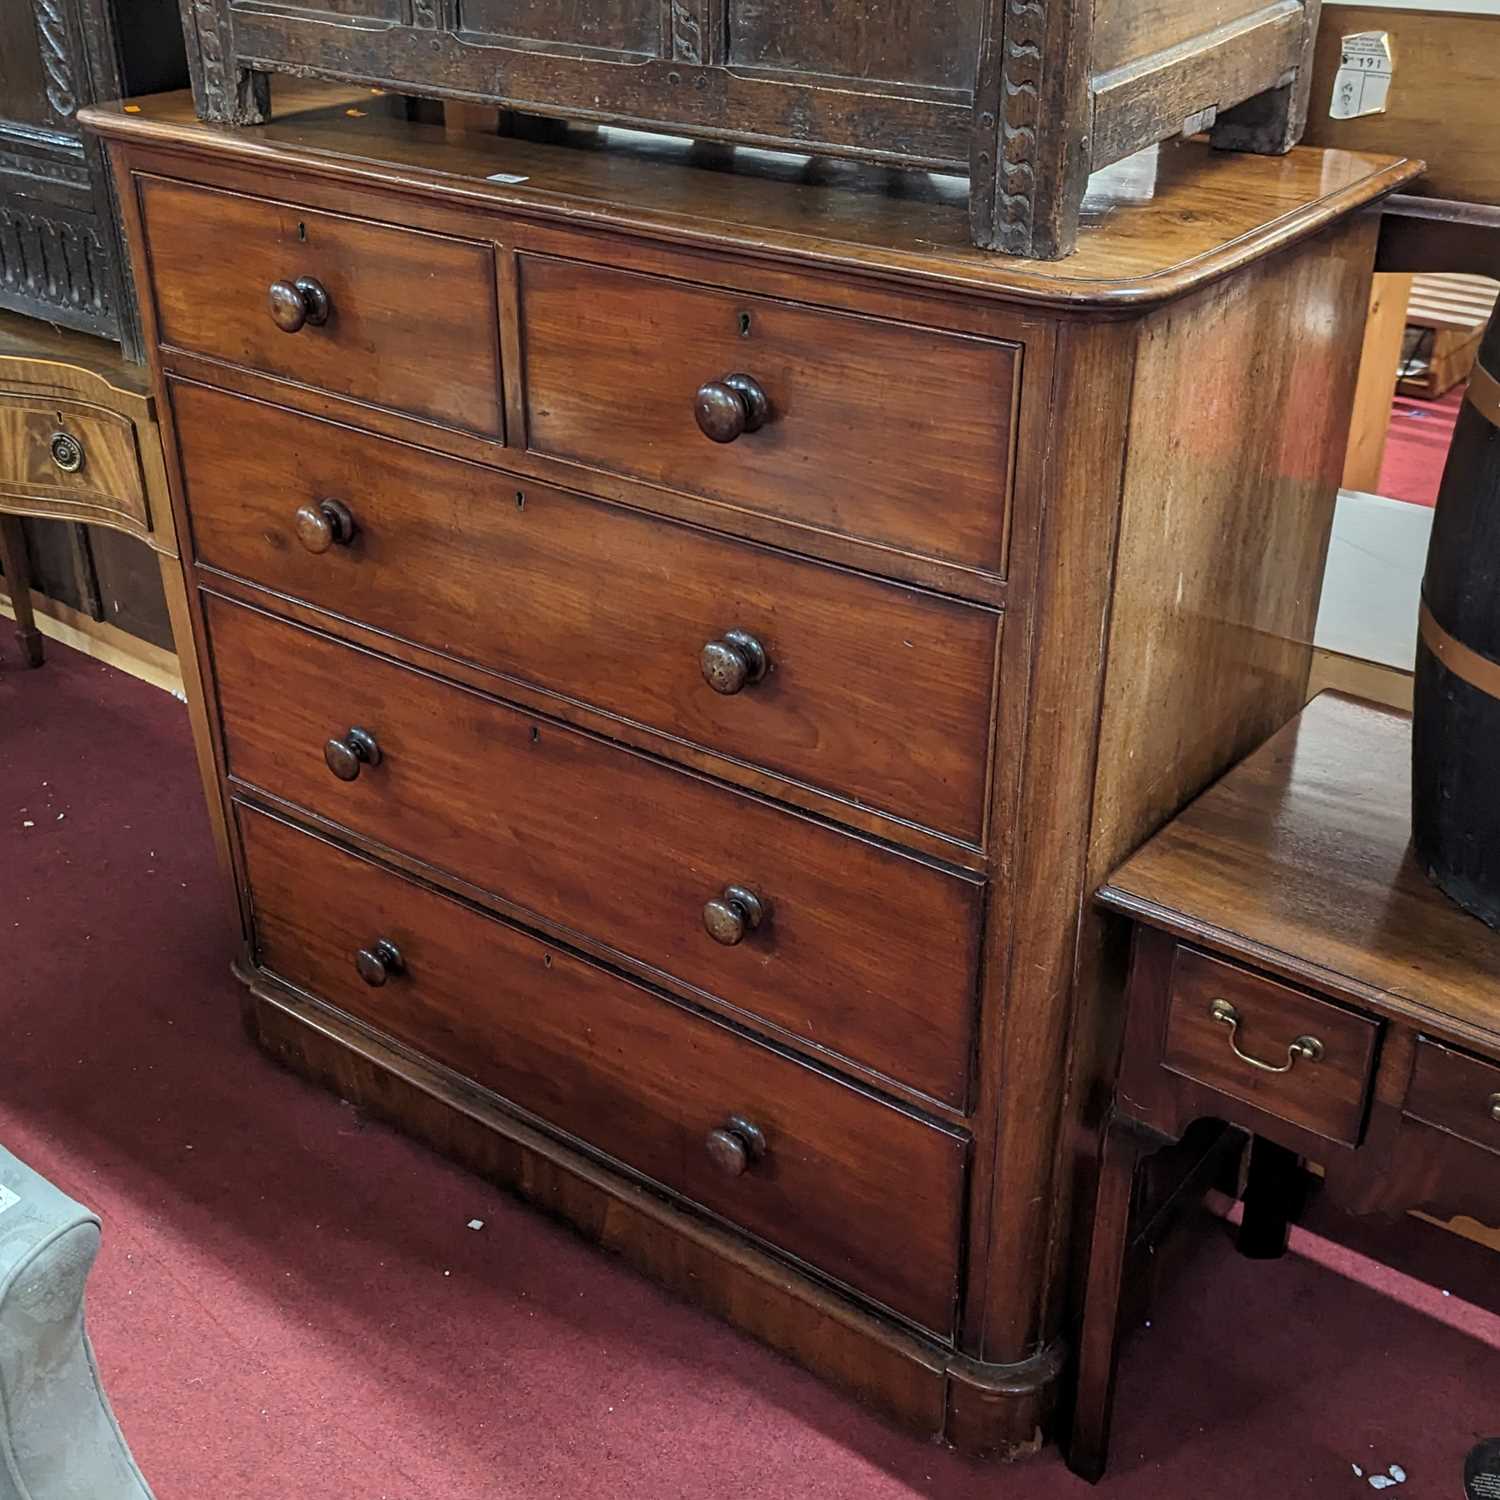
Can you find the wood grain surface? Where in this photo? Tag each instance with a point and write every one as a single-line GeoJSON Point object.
{"type": "Point", "coordinates": [877, 693]}
{"type": "Point", "coordinates": [613, 362]}
{"type": "Point", "coordinates": [1177, 217]}
{"type": "Point", "coordinates": [865, 952]}
{"type": "Point", "coordinates": [1303, 854]}
{"type": "Point", "coordinates": [413, 324]}
{"type": "Point", "coordinates": [640, 1080]}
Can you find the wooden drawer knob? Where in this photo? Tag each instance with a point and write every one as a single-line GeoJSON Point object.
{"type": "Point", "coordinates": [729, 917]}
{"type": "Point", "coordinates": [733, 661]}
{"type": "Point", "coordinates": [346, 756]}
{"type": "Point", "coordinates": [323, 524]}
{"type": "Point", "coordinates": [731, 406]}
{"type": "Point", "coordinates": [294, 304]}
{"type": "Point", "coordinates": [1495, 1108]}
{"type": "Point", "coordinates": [736, 1146]}
{"type": "Point", "coordinates": [378, 962]}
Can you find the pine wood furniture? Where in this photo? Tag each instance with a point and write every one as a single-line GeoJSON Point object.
{"type": "Point", "coordinates": [1028, 97]}
{"type": "Point", "coordinates": [684, 646]}
{"type": "Point", "coordinates": [1296, 974]}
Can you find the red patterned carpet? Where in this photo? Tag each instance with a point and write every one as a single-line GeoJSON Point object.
{"type": "Point", "coordinates": [289, 1302]}
{"type": "Point", "coordinates": [1416, 447]}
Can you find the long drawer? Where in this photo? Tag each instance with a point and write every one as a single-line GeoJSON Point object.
{"type": "Point", "coordinates": [864, 1191]}
{"type": "Point", "coordinates": [390, 316]}
{"type": "Point", "coordinates": [876, 691]}
{"type": "Point", "coordinates": [881, 430]}
{"type": "Point", "coordinates": [862, 950]}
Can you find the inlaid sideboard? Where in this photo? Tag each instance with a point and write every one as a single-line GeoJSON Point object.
{"type": "Point", "coordinates": [684, 645]}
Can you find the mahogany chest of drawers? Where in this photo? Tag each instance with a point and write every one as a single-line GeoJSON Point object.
{"type": "Point", "coordinates": [682, 648]}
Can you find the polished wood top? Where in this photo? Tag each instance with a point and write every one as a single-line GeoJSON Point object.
{"type": "Point", "coordinates": [1155, 226]}
{"type": "Point", "coordinates": [28, 338]}
{"type": "Point", "coordinates": [1298, 861]}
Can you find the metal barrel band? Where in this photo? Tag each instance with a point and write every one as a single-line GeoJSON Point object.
{"type": "Point", "coordinates": [1478, 671]}
{"type": "Point", "coordinates": [1484, 395]}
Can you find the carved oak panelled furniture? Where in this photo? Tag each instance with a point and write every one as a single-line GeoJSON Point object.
{"type": "Point", "coordinates": [60, 252]}
{"type": "Point", "coordinates": [684, 646]}
{"type": "Point", "coordinates": [1296, 973]}
{"type": "Point", "coordinates": [1026, 96]}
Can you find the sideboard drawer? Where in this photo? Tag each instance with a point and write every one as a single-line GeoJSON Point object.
{"type": "Point", "coordinates": [1457, 1093]}
{"type": "Point", "coordinates": [396, 318]}
{"type": "Point", "coordinates": [618, 365]}
{"type": "Point", "coordinates": [864, 1191]}
{"type": "Point", "coordinates": [71, 459]}
{"type": "Point", "coordinates": [1301, 1059]}
{"type": "Point", "coordinates": [871, 690]}
{"type": "Point", "coordinates": [861, 950]}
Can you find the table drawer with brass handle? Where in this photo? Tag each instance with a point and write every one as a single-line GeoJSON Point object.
{"type": "Point", "coordinates": [783, 1149]}
{"type": "Point", "coordinates": [794, 411]}
{"type": "Point", "coordinates": [852, 945]}
{"type": "Point", "coordinates": [866, 689]}
{"type": "Point", "coordinates": [392, 317]}
{"type": "Point", "coordinates": [71, 459]}
{"type": "Point", "coordinates": [1299, 1058]}
{"type": "Point", "coordinates": [1457, 1093]}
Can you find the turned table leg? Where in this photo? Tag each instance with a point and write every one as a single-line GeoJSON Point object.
{"type": "Point", "coordinates": [1099, 1338]}
{"type": "Point", "coordinates": [18, 581]}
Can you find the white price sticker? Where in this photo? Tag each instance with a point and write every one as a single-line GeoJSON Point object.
{"type": "Point", "coordinates": [1363, 81]}
{"type": "Point", "coordinates": [7, 1198]}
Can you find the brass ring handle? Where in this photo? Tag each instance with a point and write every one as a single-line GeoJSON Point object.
{"type": "Point", "coordinates": [66, 451]}
{"type": "Point", "coordinates": [736, 1146]}
{"type": "Point", "coordinates": [1304, 1046]}
{"type": "Point", "coordinates": [294, 304]}
{"type": "Point", "coordinates": [345, 756]}
{"type": "Point", "coordinates": [378, 962]}
{"type": "Point", "coordinates": [323, 524]}
{"type": "Point", "coordinates": [1495, 1108]}
{"type": "Point", "coordinates": [732, 662]}
{"type": "Point", "coordinates": [729, 407]}
{"type": "Point", "coordinates": [729, 917]}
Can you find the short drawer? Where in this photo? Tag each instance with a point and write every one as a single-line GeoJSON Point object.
{"type": "Point", "coordinates": [892, 433]}
{"type": "Point", "coordinates": [1299, 1058]}
{"type": "Point", "coordinates": [871, 690]}
{"type": "Point", "coordinates": [861, 950]}
{"type": "Point", "coordinates": [392, 317]}
{"type": "Point", "coordinates": [1457, 1093]}
{"type": "Point", "coordinates": [71, 458]}
{"type": "Point", "coordinates": [807, 1162]}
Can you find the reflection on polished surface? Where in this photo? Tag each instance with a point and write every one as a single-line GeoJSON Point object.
{"type": "Point", "coordinates": [1154, 225]}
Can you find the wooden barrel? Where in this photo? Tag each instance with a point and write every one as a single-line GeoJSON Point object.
{"type": "Point", "coordinates": [1456, 728]}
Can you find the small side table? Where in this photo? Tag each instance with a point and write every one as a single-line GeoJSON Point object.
{"type": "Point", "coordinates": [1293, 973]}
{"type": "Point", "coordinates": [80, 441]}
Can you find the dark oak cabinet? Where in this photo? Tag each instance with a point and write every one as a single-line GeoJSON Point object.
{"type": "Point", "coordinates": [1028, 97]}
{"type": "Point", "coordinates": [61, 259]}
{"type": "Point", "coordinates": [59, 242]}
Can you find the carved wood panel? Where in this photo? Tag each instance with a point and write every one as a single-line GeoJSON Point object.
{"type": "Point", "coordinates": [59, 244]}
